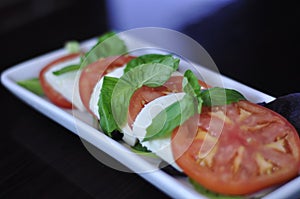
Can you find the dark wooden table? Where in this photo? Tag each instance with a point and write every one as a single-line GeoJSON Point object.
{"type": "Point", "coordinates": [253, 42]}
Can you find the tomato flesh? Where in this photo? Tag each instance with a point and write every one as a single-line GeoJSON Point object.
{"type": "Point", "coordinates": [238, 149]}
{"type": "Point", "coordinates": [92, 73]}
{"type": "Point", "coordinates": [54, 96]}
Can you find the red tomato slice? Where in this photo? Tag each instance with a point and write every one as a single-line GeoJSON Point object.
{"type": "Point", "coordinates": [256, 148]}
{"type": "Point", "coordinates": [92, 73]}
{"type": "Point", "coordinates": [145, 94]}
{"type": "Point", "coordinates": [54, 96]}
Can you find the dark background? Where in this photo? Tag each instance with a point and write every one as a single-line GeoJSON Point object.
{"type": "Point", "coordinates": [255, 42]}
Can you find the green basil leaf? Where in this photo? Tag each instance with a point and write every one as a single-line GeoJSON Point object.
{"type": "Point", "coordinates": [141, 150]}
{"type": "Point", "coordinates": [210, 194]}
{"type": "Point", "coordinates": [191, 86]}
{"type": "Point", "coordinates": [139, 147]}
{"type": "Point", "coordinates": [177, 113]}
{"type": "Point", "coordinates": [217, 96]}
{"type": "Point", "coordinates": [152, 75]}
{"type": "Point", "coordinates": [107, 122]}
{"type": "Point", "coordinates": [67, 69]}
{"type": "Point", "coordinates": [108, 44]}
{"type": "Point", "coordinates": [72, 47]}
{"type": "Point", "coordinates": [168, 119]}
{"type": "Point", "coordinates": [33, 85]}
{"type": "Point", "coordinates": [153, 58]}
{"type": "Point", "coordinates": [106, 36]}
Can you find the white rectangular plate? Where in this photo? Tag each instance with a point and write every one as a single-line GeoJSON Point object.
{"type": "Point", "coordinates": [82, 125]}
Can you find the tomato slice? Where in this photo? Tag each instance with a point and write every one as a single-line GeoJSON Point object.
{"type": "Point", "coordinates": [145, 94]}
{"type": "Point", "coordinates": [255, 148]}
{"type": "Point", "coordinates": [92, 73]}
{"type": "Point", "coordinates": [54, 96]}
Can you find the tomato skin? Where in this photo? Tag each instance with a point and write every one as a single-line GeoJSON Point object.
{"type": "Point", "coordinates": [247, 157]}
{"type": "Point", "coordinates": [54, 96]}
{"type": "Point", "coordinates": [93, 72]}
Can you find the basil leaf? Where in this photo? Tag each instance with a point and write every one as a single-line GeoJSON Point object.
{"type": "Point", "coordinates": [152, 75]}
{"type": "Point", "coordinates": [72, 47]}
{"type": "Point", "coordinates": [139, 147]}
{"type": "Point", "coordinates": [108, 44]}
{"type": "Point", "coordinates": [191, 86]}
{"type": "Point", "coordinates": [167, 120]}
{"type": "Point", "coordinates": [107, 122]}
{"type": "Point", "coordinates": [66, 69]}
{"type": "Point", "coordinates": [210, 194]}
{"type": "Point", "coordinates": [32, 85]}
{"type": "Point", "coordinates": [106, 36]}
{"type": "Point", "coordinates": [220, 96]}
{"type": "Point", "coordinates": [177, 113]}
{"type": "Point", "coordinates": [153, 58]}
{"type": "Point", "coordinates": [141, 150]}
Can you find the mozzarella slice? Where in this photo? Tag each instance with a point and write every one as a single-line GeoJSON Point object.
{"type": "Point", "coordinates": [66, 84]}
{"type": "Point", "coordinates": [161, 147]}
{"type": "Point", "coordinates": [118, 72]}
{"type": "Point", "coordinates": [128, 135]}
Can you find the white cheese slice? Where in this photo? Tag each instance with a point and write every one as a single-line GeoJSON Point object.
{"type": "Point", "coordinates": [161, 147]}
{"type": "Point", "coordinates": [118, 72]}
{"type": "Point", "coordinates": [128, 135]}
{"type": "Point", "coordinates": [67, 83]}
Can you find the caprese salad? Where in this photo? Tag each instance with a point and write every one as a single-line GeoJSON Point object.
{"type": "Point", "coordinates": [215, 136]}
